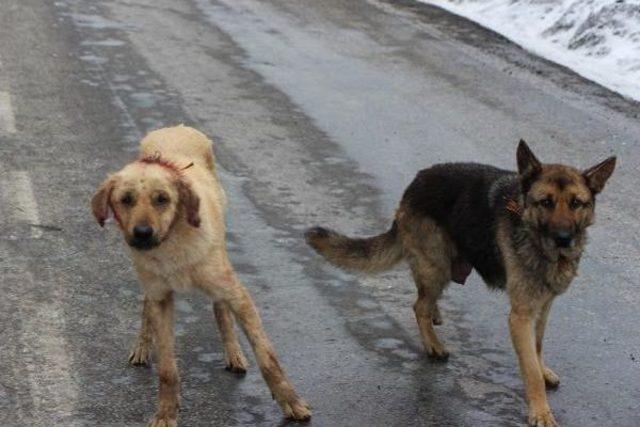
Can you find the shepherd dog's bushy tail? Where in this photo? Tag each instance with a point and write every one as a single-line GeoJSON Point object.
{"type": "Point", "coordinates": [370, 255]}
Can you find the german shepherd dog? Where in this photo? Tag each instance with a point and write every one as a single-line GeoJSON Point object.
{"type": "Point", "coordinates": [169, 206]}
{"type": "Point", "coordinates": [523, 232]}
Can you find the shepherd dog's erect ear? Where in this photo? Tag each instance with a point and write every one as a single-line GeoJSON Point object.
{"type": "Point", "coordinates": [528, 165]}
{"type": "Point", "coordinates": [190, 201]}
{"type": "Point", "coordinates": [100, 201]}
{"type": "Point", "coordinates": [596, 176]}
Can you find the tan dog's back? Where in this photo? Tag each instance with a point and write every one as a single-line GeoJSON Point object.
{"type": "Point", "coordinates": [179, 142]}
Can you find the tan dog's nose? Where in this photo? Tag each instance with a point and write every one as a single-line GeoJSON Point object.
{"type": "Point", "coordinates": [143, 237]}
{"type": "Point", "coordinates": [142, 232]}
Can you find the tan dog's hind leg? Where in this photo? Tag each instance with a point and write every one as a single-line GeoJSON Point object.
{"type": "Point", "coordinates": [282, 390]}
{"type": "Point", "coordinates": [161, 319]}
{"type": "Point", "coordinates": [521, 326]}
{"type": "Point", "coordinates": [233, 357]}
{"type": "Point", "coordinates": [551, 379]}
{"type": "Point", "coordinates": [141, 352]}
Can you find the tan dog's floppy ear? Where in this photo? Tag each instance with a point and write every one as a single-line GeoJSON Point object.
{"type": "Point", "coordinates": [100, 201]}
{"type": "Point", "coordinates": [596, 176]}
{"type": "Point", "coordinates": [528, 165]}
{"type": "Point", "coordinates": [190, 201]}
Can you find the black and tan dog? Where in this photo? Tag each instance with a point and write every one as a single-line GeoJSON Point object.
{"type": "Point", "coordinates": [523, 232]}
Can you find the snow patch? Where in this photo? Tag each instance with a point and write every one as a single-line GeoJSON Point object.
{"type": "Point", "coordinates": [598, 39]}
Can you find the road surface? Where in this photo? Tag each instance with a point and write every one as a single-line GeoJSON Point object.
{"type": "Point", "coordinates": [321, 112]}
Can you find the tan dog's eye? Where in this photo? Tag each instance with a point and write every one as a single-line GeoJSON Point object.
{"type": "Point", "coordinates": [161, 200]}
{"type": "Point", "coordinates": [127, 200]}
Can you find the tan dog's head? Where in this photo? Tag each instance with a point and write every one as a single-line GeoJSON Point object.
{"type": "Point", "coordinates": [147, 198]}
{"type": "Point", "coordinates": [559, 200]}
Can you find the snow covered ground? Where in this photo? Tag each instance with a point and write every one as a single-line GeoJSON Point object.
{"type": "Point", "coordinates": [598, 39]}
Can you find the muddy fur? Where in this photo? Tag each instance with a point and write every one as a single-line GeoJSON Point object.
{"type": "Point", "coordinates": [169, 206]}
{"type": "Point", "coordinates": [523, 232]}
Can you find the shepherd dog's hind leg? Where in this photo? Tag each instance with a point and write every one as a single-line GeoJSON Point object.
{"type": "Point", "coordinates": [436, 316]}
{"type": "Point", "coordinates": [430, 281]}
{"type": "Point", "coordinates": [429, 251]}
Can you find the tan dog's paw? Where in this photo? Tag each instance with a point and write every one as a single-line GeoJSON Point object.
{"type": "Point", "coordinates": [438, 353]}
{"type": "Point", "coordinates": [542, 418]}
{"type": "Point", "coordinates": [162, 420]}
{"type": "Point", "coordinates": [296, 409]}
{"type": "Point", "coordinates": [551, 379]}
{"type": "Point", "coordinates": [236, 363]}
{"type": "Point", "coordinates": [140, 355]}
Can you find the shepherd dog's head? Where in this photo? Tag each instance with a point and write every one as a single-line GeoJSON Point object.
{"type": "Point", "coordinates": [558, 201]}
{"type": "Point", "coordinates": [147, 198]}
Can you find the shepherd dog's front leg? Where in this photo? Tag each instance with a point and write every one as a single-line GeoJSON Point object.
{"type": "Point", "coordinates": [161, 320]}
{"type": "Point", "coordinates": [521, 325]}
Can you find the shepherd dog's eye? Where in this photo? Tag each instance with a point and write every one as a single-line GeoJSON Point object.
{"type": "Point", "coordinates": [576, 203]}
{"type": "Point", "coordinates": [161, 199]}
{"type": "Point", "coordinates": [546, 203]}
{"type": "Point", "coordinates": [127, 200]}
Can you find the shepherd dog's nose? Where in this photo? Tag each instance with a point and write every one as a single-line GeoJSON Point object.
{"type": "Point", "coordinates": [142, 232]}
{"type": "Point", "coordinates": [563, 238]}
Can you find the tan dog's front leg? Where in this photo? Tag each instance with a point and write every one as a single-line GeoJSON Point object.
{"type": "Point", "coordinates": [282, 390]}
{"type": "Point", "coordinates": [234, 359]}
{"type": "Point", "coordinates": [142, 349]}
{"type": "Point", "coordinates": [161, 319]}
{"type": "Point", "coordinates": [550, 378]}
{"type": "Point", "coordinates": [521, 322]}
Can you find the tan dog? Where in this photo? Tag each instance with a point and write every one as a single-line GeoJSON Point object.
{"type": "Point", "coordinates": [170, 208]}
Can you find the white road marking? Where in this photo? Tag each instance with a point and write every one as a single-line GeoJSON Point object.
{"type": "Point", "coordinates": [7, 119]}
{"type": "Point", "coordinates": [52, 389]}
{"type": "Point", "coordinates": [19, 201]}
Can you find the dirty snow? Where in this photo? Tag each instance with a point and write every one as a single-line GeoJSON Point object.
{"type": "Point", "coordinates": [598, 39]}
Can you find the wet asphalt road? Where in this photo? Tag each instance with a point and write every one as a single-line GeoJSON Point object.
{"type": "Point", "coordinates": [322, 112]}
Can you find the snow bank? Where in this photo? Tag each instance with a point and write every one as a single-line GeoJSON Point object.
{"type": "Point", "coordinates": [598, 39]}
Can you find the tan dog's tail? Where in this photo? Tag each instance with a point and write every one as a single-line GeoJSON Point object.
{"type": "Point", "coordinates": [370, 255]}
